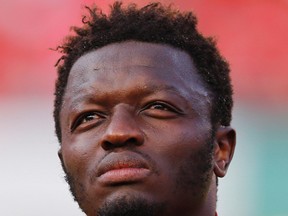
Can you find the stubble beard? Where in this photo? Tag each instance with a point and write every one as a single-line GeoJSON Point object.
{"type": "Point", "coordinates": [195, 174]}
{"type": "Point", "coordinates": [130, 206]}
{"type": "Point", "coordinates": [201, 164]}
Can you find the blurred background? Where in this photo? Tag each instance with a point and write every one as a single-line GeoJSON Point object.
{"type": "Point", "coordinates": [251, 34]}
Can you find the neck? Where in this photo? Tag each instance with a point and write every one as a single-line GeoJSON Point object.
{"type": "Point", "coordinates": [209, 205]}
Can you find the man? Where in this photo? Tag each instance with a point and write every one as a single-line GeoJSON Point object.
{"type": "Point", "coordinates": [142, 112]}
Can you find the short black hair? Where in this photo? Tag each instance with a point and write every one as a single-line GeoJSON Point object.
{"type": "Point", "coordinates": [152, 23]}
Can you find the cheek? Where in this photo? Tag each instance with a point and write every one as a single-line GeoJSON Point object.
{"type": "Point", "coordinates": [78, 153]}
{"type": "Point", "coordinates": [178, 140]}
{"type": "Point", "coordinates": [174, 145]}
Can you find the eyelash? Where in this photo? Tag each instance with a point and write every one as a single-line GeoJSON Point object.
{"type": "Point", "coordinates": [167, 107]}
{"type": "Point", "coordinates": [79, 120]}
{"type": "Point", "coordinates": [158, 103]}
{"type": "Point", "coordinates": [162, 106]}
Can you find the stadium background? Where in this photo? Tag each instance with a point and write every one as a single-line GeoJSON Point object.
{"type": "Point", "coordinates": [251, 34]}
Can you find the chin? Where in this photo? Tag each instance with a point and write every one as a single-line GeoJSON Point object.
{"type": "Point", "coordinates": [129, 205]}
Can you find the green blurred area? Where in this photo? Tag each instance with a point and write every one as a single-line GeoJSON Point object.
{"type": "Point", "coordinates": [273, 159]}
{"type": "Point", "coordinates": [257, 182]}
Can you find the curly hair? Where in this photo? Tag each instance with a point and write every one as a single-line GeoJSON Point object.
{"type": "Point", "coordinates": [153, 23]}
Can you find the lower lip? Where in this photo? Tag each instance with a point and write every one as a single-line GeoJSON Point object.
{"type": "Point", "coordinates": [124, 175]}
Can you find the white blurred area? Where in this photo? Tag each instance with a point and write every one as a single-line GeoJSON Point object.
{"type": "Point", "coordinates": [32, 182]}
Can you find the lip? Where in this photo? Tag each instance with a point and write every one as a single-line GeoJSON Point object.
{"type": "Point", "coordinates": [117, 168]}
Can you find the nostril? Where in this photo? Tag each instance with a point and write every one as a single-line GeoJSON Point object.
{"type": "Point", "coordinates": [108, 144]}
{"type": "Point", "coordinates": [133, 141]}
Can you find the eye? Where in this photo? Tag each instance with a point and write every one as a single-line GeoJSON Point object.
{"type": "Point", "coordinates": [87, 120]}
{"type": "Point", "coordinates": [160, 106]}
{"type": "Point", "coordinates": [161, 109]}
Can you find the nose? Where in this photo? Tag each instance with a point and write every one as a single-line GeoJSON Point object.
{"type": "Point", "coordinates": [123, 130]}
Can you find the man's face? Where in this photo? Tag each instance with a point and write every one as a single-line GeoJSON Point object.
{"type": "Point", "coordinates": [136, 132]}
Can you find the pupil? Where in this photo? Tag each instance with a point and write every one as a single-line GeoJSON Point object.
{"type": "Point", "coordinates": [89, 118]}
{"type": "Point", "coordinates": [158, 106]}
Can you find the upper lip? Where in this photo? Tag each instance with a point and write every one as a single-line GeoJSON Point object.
{"type": "Point", "coordinates": [121, 160]}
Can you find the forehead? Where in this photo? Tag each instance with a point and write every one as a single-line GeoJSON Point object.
{"type": "Point", "coordinates": [134, 53]}
{"type": "Point", "coordinates": [137, 65]}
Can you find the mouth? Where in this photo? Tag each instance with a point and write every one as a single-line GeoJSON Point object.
{"type": "Point", "coordinates": [120, 168]}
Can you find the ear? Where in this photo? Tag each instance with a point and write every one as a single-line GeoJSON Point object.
{"type": "Point", "coordinates": [225, 141]}
{"type": "Point", "coordinates": [60, 154]}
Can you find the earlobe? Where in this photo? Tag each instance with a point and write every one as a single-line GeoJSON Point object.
{"type": "Point", "coordinates": [225, 142]}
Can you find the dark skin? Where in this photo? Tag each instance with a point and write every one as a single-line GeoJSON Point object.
{"type": "Point", "coordinates": [135, 125]}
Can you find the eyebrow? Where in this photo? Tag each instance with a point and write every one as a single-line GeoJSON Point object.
{"type": "Point", "coordinates": [159, 88]}
{"type": "Point", "coordinates": [152, 88]}
{"type": "Point", "coordinates": [146, 90]}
